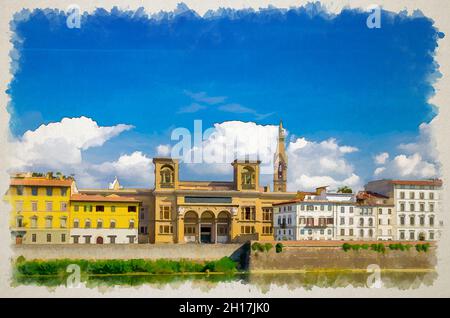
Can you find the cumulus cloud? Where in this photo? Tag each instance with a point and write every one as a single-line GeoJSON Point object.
{"type": "Point", "coordinates": [136, 168]}
{"type": "Point", "coordinates": [61, 143]}
{"type": "Point", "coordinates": [381, 158]}
{"type": "Point", "coordinates": [163, 150]}
{"type": "Point", "coordinates": [311, 164]}
{"type": "Point", "coordinates": [60, 146]}
{"type": "Point", "coordinates": [417, 159]}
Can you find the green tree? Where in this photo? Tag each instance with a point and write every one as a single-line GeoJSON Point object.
{"type": "Point", "coordinates": [345, 189]}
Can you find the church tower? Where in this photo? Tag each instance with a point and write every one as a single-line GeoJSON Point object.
{"type": "Point", "coordinates": [280, 163]}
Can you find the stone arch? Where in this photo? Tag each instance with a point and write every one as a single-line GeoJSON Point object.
{"type": "Point", "coordinates": [190, 217]}
{"type": "Point", "coordinates": [248, 177]}
{"type": "Point", "coordinates": [207, 216]}
{"type": "Point", "coordinates": [224, 217]}
{"type": "Point", "coordinates": [223, 227]}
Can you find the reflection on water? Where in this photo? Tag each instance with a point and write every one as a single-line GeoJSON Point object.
{"type": "Point", "coordinates": [399, 280]}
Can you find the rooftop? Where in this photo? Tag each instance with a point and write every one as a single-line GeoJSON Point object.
{"type": "Point", "coordinates": [41, 181]}
{"type": "Point", "coordinates": [102, 198]}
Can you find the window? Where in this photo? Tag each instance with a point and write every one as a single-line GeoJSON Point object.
{"type": "Point", "coordinates": [302, 207]}
{"type": "Point", "coordinates": [164, 212]}
{"type": "Point", "coordinates": [131, 238]}
{"type": "Point", "coordinates": [48, 206]}
{"type": "Point", "coordinates": [49, 191]}
{"type": "Point", "coordinates": [411, 195]}
{"type": "Point", "coordinates": [112, 224]}
{"type": "Point", "coordinates": [87, 224]}
{"type": "Point", "coordinates": [402, 235]}
{"type": "Point", "coordinates": [267, 230]}
{"type": "Point", "coordinates": [329, 231]}
{"type": "Point", "coordinates": [329, 207]}
{"type": "Point", "coordinates": [361, 233]}
{"type": "Point", "coordinates": [422, 220]}
{"type": "Point", "coordinates": [370, 222]}
{"type": "Point", "coordinates": [342, 209]}
{"type": "Point", "coordinates": [248, 213]}
{"type": "Point", "coordinates": [247, 229]}
{"type": "Point", "coordinates": [63, 222]}
{"type": "Point", "coordinates": [131, 224]}
{"type": "Point", "coordinates": [370, 232]}
{"type": "Point", "coordinates": [379, 221]}
{"type": "Point", "coordinates": [361, 222]}
{"type": "Point", "coordinates": [88, 208]}
{"type": "Point", "coordinates": [431, 235]}
{"type": "Point", "coordinates": [33, 238]}
{"type": "Point", "coordinates": [76, 208]}
{"type": "Point", "coordinates": [19, 221]}
{"type": "Point", "coordinates": [389, 211]}
{"type": "Point", "coordinates": [167, 176]}
{"type": "Point", "coordinates": [431, 195]}
{"type": "Point", "coordinates": [99, 224]}
{"type": "Point", "coordinates": [248, 178]}
{"type": "Point", "coordinates": [402, 207]}
{"type": "Point", "coordinates": [350, 221]}
{"type": "Point", "coordinates": [63, 192]}
{"type": "Point", "coordinates": [267, 214]}
{"type": "Point", "coordinates": [99, 208]}
{"type": "Point", "coordinates": [351, 232]}
{"type": "Point", "coordinates": [87, 239]}
{"type": "Point", "coordinates": [380, 211]}
{"type": "Point", "coordinates": [113, 208]}
{"type": "Point", "coordinates": [34, 206]}
{"type": "Point", "coordinates": [165, 229]}
{"type": "Point", "coordinates": [351, 209]}
{"type": "Point", "coordinates": [34, 191]}
{"type": "Point", "coordinates": [431, 220]}
{"type": "Point", "coordinates": [19, 206]}
{"type": "Point", "coordinates": [63, 206]}
{"type": "Point", "coordinates": [342, 232]}
{"type": "Point", "coordinates": [19, 190]}
{"type": "Point", "coordinates": [411, 207]}
{"type": "Point", "coordinates": [402, 195]}
{"type": "Point", "coordinates": [144, 230]}
{"type": "Point", "coordinates": [34, 222]}
{"type": "Point", "coordinates": [76, 223]}
{"type": "Point", "coordinates": [412, 220]}
{"type": "Point", "coordinates": [112, 239]}
{"type": "Point", "coordinates": [63, 238]}
{"type": "Point", "coordinates": [411, 235]}
{"type": "Point", "coordinates": [76, 239]}
{"type": "Point", "coordinates": [422, 207]}
{"type": "Point", "coordinates": [49, 238]}
{"type": "Point", "coordinates": [431, 207]}
{"type": "Point", "coordinates": [421, 195]}
{"type": "Point", "coordinates": [48, 222]}
{"type": "Point", "coordinates": [342, 221]}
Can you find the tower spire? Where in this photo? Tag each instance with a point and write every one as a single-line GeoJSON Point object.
{"type": "Point", "coordinates": [280, 162]}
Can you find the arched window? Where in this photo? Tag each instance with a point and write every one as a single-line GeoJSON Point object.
{"type": "Point", "coordinates": [361, 222]}
{"type": "Point", "coordinates": [248, 178]}
{"type": "Point", "coordinates": [370, 222]}
{"type": "Point", "coordinates": [112, 224]}
{"type": "Point", "coordinates": [361, 233]}
{"type": "Point", "coordinates": [167, 176]}
{"type": "Point", "coordinates": [99, 223]}
{"type": "Point", "coordinates": [87, 224]}
{"type": "Point", "coordinates": [76, 223]}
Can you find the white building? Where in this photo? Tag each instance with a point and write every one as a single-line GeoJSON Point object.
{"type": "Point", "coordinates": [417, 206]}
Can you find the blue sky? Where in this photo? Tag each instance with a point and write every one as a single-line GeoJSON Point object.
{"type": "Point", "coordinates": [326, 78]}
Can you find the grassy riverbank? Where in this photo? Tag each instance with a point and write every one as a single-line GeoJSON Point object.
{"type": "Point", "coordinates": [114, 266]}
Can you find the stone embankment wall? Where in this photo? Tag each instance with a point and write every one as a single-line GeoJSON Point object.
{"type": "Point", "coordinates": [130, 251]}
{"type": "Point", "coordinates": [330, 255]}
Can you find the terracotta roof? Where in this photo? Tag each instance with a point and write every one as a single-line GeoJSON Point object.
{"type": "Point", "coordinates": [436, 182]}
{"type": "Point", "coordinates": [287, 202]}
{"type": "Point", "coordinates": [370, 194]}
{"type": "Point", "coordinates": [41, 182]}
{"type": "Point", "coordinates": [102, 198]}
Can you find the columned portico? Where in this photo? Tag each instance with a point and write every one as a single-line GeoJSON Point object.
{"type": "Point", "coordinates": [204, 225]}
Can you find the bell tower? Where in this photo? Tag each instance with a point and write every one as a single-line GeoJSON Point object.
{"type": "Point", "coordinates": [280, 163]}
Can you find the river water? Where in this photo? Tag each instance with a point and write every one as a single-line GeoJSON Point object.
{"type": "Point", "coordinates": [334, 279]}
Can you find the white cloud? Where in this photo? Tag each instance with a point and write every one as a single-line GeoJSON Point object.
{"type": "Point", "coordinates": [136, 169]}
{"type": "Point", "coordinates": [61, 143]}
{"type": "Point", "coordinates": [417, 160]}
{"type": "Point", "coordinates": [381, 158]}
{"type": "Point", "coordinates": [311, 163]}
{"type": "Point", "coordinates": [163, 150]}
{"type": "Point", "coordinates": [60, 146]}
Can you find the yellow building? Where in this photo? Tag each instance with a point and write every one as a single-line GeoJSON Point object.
{"type": "Point", "coordinates": [99, 219]}
{"type": "Point", "coordinates": [40, 208]}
